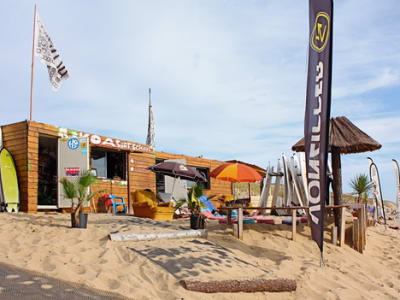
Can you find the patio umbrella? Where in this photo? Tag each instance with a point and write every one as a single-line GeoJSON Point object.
{"type": "Point", "coordinates": [236, 172]}
{"type": "Point", "coordinates": [177, 170]}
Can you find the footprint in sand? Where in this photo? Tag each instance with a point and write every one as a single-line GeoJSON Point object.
{"type": "Point", "coordinates": [79, 270]}
{"type": "Point", "coordinates": [113, 284]}
{"type": "Point", "coordinates": [47, 266]}
{"type": "Point", "coordinates": [12, 276]}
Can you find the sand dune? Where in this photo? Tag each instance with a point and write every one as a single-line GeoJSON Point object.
{"type": "Point", "coordinates": [152, 269]}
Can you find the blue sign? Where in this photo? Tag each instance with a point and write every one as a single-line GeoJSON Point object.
{"type": "Point", "coordinates": [73, 143]}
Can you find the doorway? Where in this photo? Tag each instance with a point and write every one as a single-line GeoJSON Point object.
{"type": "Point", "coordinates": [47, 172]}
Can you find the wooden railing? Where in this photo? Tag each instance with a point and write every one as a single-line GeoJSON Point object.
{"type": "Point", "coordinates": [238, 230]}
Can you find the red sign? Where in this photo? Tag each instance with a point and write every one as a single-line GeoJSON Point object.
{"type": "Point", "coordinates": [72, 171]}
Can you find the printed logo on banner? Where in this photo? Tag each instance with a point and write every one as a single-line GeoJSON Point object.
{"type": "Point", "coordinates": [320, 34]}
{"type": "Point", "coordinates": [72, 171]}
{"type": "Point", "coordinates": [73, 143]}
{"type": "Point", "coordinates": [182, 168]}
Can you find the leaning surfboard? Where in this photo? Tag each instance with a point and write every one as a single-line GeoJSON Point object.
{"type": "Point", "coordinates": [9, 182]}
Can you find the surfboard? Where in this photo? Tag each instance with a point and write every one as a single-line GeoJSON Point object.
{"type": "Point", "coordinates": [277, 185]}
{"type": "Point", "coordinates": [288, 185]}
{"type": "Point", "coordinates": [8, 182]}
{"type": "Point", "coordinates": [299, 199]}
{"type": "Point", "coordinates": [304, 174]}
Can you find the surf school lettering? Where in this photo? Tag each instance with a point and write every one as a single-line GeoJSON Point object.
{"type": "Point", "coordinates": [104, 141]}
{"type": "Point", "coordinates": [314, 188]}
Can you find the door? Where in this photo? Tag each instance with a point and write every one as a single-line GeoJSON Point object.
{"type": "Point", "coordinates": [73, 161]}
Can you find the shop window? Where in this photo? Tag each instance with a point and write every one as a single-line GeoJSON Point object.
{"type": "Point", "coordinates": [206, 173]}
{"type": "Point", "coordinates": [160, 179]}
{"type": "Point", "coordinates": [109, 164]}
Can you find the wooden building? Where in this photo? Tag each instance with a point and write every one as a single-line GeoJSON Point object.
{"type": "Point", "coordinates": [120, 164]}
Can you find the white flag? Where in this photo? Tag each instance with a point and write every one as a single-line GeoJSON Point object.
{"type": "Point", "coordinates": [44, 48]}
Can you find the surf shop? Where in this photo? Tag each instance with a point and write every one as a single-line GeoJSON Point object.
{"type": "Point", "coordinates": [43, 154]}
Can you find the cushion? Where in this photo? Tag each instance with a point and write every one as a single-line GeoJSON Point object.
{"type": "Point", "coordinates": [142, 197]}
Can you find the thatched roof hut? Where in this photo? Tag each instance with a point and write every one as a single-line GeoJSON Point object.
{"type": "Point", "coordinates": [344, 135]}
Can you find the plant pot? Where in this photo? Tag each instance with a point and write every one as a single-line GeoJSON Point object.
{"type": "Point", "coordinates": [82, 220]}
{"type": "Point", "coordinates": [196, 222]}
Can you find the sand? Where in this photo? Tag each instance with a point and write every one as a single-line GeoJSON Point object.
{"type": "Point", "coordinates": [152, 269]}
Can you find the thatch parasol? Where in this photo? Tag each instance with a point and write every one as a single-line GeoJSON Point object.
{"type": "Point", "coordinates": [346, 138]}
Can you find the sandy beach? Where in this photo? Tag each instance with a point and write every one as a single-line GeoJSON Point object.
{"type": "Point", "coordinates": [152, 269]}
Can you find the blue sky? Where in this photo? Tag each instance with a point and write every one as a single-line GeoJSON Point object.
{"type": "Point", "coordinates": [228, 78]}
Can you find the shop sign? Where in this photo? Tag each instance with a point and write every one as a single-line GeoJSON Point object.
{"type": "Point", "coordinates": [72, 171]}
{"type": "Point", "coordinates": [104, 141]}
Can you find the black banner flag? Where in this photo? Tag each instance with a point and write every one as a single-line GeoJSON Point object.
{"type": "Point", "coordinates": [318, 104]}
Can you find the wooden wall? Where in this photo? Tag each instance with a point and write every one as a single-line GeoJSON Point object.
{"type": "Point", "coordinates": [15, 139]}
{"type": "Point", "coordinates": [217, 187]}
{"type": "Point", "coordinates": [22, 140]}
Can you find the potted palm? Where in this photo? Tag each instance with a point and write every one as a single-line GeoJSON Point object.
{"type": "Point", "coordinates": [194, 205]}
{"type": "Point", "coordinates": [79, 190]}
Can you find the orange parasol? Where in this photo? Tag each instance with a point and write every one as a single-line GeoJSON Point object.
{"type": "Point", "coordinates": [236, 172]}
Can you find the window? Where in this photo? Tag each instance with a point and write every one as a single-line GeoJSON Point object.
{"type": "Point", "coordinates": [109, 164]}
{"type": "Point", "coordinates": [206, 173]}
{"type": "Point", "coordinates": [160, 179]}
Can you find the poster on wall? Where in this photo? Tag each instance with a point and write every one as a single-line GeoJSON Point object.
{"type": "Point", "coordinates": [73, 161]}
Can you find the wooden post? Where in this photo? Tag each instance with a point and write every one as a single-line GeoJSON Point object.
{"type": "Point", "coordinates": [337, 183]}
{"type": "Point", "coordinates": [355, 234]}
{"type": "Point", "coordinates": [235, 229]}
{"type": "Point", "coordinates": [364, 226]}
{"type": "Point", "coordinates": [334, 235]}
{"type": "Point", "coordinates": [229, 217]}
{"type": "Point", "coordinates": [294, 221]}
{"type": "Point", "coordinates": [240, 223]}
{"type": "Point", "coordinates": [342, 227]}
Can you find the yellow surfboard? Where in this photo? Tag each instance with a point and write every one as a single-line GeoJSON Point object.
{"type": "Point", "coordinates": [9, 182]}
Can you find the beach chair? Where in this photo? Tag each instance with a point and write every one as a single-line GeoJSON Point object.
{"type": "Point", "coordinates": [115, 201]}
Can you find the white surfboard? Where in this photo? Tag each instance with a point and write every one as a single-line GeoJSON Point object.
{"type": "Point", "coordinates": [304, 174]}
{"type": "Point", "coordinates": [287, 182]}
{"type": "Point", "coordinates": [296, 183]}
{"type": "Point", "coordinates": [266, 189]}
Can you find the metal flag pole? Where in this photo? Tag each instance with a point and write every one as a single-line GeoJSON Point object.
{"type": "Point", "coordinates": [33, 64]}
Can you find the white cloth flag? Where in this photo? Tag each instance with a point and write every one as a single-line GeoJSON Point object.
{"type": "Point", "coordinates": [44, 48]}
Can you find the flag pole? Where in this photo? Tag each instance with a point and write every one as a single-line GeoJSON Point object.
{"type": "Point", "coordinates": [33, 64]}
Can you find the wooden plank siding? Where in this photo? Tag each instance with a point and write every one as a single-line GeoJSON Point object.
{"type": "Point", "coordinates": [15, 139]}
{"type": "Point", "coordinates": [217, 187]}
{"type": "Point", "coordinates": [22, 140]}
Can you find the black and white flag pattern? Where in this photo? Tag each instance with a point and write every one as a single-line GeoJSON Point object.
{"type": "Point", "coordinates": [44, 48]}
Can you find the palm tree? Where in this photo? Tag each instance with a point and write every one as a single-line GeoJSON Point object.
{"type": "Point", "coordinates": [80, 191]}
{"type": "Point", "coordinates": [361, 186]}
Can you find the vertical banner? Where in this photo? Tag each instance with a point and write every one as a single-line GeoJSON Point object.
{"type": "Point", "coordinates": [376, 184]}
{"type": "Point", "coordinates": [397, 179]}
{"type": "Point", "coordinates": [317, 115]}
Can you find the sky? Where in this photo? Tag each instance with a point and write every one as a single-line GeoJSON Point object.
{"type": "Point", "coordinates": [228, 78]}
